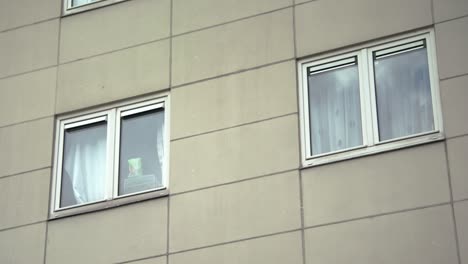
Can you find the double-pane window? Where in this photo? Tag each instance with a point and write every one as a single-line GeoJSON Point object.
{"type": "Point", "coordinates": [376, 98]}
{"type": "Point", "coordinates": [110, 156]}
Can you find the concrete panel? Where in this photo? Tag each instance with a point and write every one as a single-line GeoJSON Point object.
{"type": "Point", "coordinates": [240, 98]}
{"type": "Point", "coordinates": [461, 215]}
{"type": "Point", "coordinates": [422, 236]}
{"type": "Point", "coordinates": [24, 198]}
{"type": "Point", "coordinates": [449, 9]}
{"type": "Point", "coordinates": [26, 146]}
{"type": "Point", "coordinates": [454, 95]}
{"type": "Point", "coordinates": [457, 152]}
{"type": "Point", "coordinates": [23, 12]}
{"type": "Point", "coordinates": [190, 15]}
{"type": "Point", "coordinates": [452, 43]}
{"type": "Point", "coordinates": [125, 233]}
{"type": "Point", "coordinates": [234, 154]}
{"type": "Point", "coordinates": [326, 25]}
{"type": "Point", "coordinates": [278, 249]}
{"type": "Point", "coordinates": [235, 211]}
{"type": "Point", "coordinates": [27, 96]}
{"type": "Point", "coordinates": [113, 76]}
{"type": "Point", "coordinates": [160, 260]}
{"type": "Point", "coordinates": [376, 184]}
{"type": "Point", "coordinates": [232, 47]}
{"type": "Point", "coordinates": [113, 27]}
{"type": "Point", "coordinates": [24, 245]}
{"type": "Point", "coordinates": [28, 48]}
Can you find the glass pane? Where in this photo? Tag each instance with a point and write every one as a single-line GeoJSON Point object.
{"type": "Point", "coordinates": [141, 152]}
{"type": "Point", "coordinates": [81, 2]}
{"type": "Point", "coordinates": [335, 110]}
{"type": "Point", "coordinates": [404, 103]}
{"type": "Point", "coordinates": [84, 164]}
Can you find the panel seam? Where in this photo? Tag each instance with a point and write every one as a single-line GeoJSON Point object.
{"type": "Point", "coordinates": [452, 206]}
{"type": "Point", "coordinates": [235, 126]}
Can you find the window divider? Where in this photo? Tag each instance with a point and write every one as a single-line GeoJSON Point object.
{"type": "Point", "coordinates": [112, 139]}
{"type": "Point", "coordinates": [116, 157]}
{"type": "Point", "coordinates": [373, 96]}
{"type": "Point", "coordinates": [366, 108]}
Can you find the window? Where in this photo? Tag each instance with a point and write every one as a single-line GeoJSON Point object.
{"type": "Point", "coordinates": [376, 98]}
{"type": "Point", "coordinates": [75, 6]}
{"type": "Point", "coordinates": [110, 157]}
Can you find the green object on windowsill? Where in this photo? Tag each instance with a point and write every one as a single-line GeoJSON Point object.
{"type": "Point", "coordinates": [135, 167]}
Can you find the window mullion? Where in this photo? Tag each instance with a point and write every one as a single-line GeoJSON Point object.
{"type": "Point", "coordinates": [373, 118]}
{"type": "Point", "coordinates": [364, 97]}
{"type": "Point", "coordinates": [111, 150]}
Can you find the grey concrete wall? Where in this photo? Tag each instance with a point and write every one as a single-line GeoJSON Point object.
{"type": "Point", "coordinates": [238, 193]}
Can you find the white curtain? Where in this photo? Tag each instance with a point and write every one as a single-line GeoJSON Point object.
{"type": "Point", "coordinates": [404, 102]}
{"type": "Point", "coordinates": [160, 147]}
{"type": "Point", "coordinates": [334, 110]}
{"type": "Point", "coordinates": [85, 165]}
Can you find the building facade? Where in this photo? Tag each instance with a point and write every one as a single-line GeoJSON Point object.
{"type": "Point", "coordinates": [240, 181]}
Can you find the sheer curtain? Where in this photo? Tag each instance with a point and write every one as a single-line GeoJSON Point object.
{"type": "Point", "coordinates": [84, 165]}
{"type": "Point", "coordinates": [335, 110]}
{"type": "Point", "coordinates": [404, 102]}
{"type": "Point", "coordinates": [160, 148]}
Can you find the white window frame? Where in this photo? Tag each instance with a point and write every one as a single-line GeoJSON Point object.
{"type": "Point", "coordinates": [370, 138]}
{"type": "Point", "coordinates": [112, 115]}
{"type": "Point", "coordinates": [68, 9]}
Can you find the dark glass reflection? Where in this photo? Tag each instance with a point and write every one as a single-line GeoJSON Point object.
{"type": "Point", "coordinates": [141, 152]}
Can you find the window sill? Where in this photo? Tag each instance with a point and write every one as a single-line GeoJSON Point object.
{"type": "Point", "coordinates": [372, 150]}
{"type": "Point", "coordinates": [103, 205]}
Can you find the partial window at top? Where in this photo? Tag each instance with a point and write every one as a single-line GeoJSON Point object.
{"type": "Point", "coordinates": [76, 6]}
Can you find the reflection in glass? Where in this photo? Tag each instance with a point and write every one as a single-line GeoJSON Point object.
{"type": "Point", "coordinates": [141, 152]}
{"type": "Point", "coordinates": [81, 2]}
{"type": "Point", "coordinates": [84, 164]}
{"type": "Point", "coordinates": [404, 103]}
{"type": "Point", "coordinates": [335, 110]}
